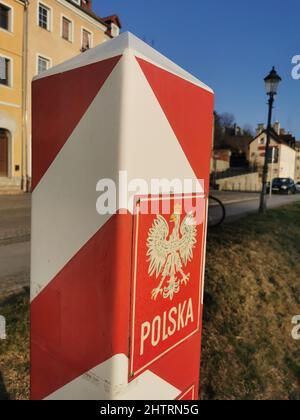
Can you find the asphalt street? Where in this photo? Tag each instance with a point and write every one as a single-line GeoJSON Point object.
{"type": "Point", "coordinates": [15, 231]}
{"type": "Point", "coordinates": [15, 214]}
{"type": "Point", "coordinates": [241, 204]}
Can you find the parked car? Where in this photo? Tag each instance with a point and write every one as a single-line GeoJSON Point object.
{"type": "Point", "coordinates": [284, 186]}
{"type": "Point", "coordinates": [298, 186]}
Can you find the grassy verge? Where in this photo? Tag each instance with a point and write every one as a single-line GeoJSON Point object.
{"type": "Point", "coordinates": [14, 352]}
{"type": "Point", "coordinates": [252, 293]}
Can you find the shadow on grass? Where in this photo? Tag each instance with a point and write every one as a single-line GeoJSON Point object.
{"type": "Point", "coordinates": [4, 395]}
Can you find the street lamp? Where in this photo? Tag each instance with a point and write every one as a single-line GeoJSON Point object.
{"type": "Point", "coordinates": [271, 82]}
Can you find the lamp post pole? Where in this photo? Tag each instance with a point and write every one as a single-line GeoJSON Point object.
{"type": "Point", "coordinates": [272, 82]}
{"type": "Point", "coordinates": [272, 170]}
{"type": "Point", "coordinates": [263, 196]}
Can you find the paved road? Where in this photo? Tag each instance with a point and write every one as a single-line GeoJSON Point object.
{"type": "Point", "coordinates": [240, 204]}
{"type": "Point", "coordinates": [14, 243]}
{"type": "Point", "coordinates": [14, 267]}
{"type": "Point", "coordinates": [15, 216]}
{"type": "Point", "coordinates": [15, 232]}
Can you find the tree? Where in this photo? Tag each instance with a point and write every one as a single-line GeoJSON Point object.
{"type": "Point", "coordinates": [248, 130]}
{"type": "Point", "coordinates": [227, 120]}
{"type": "Point", "coordinates": [226, 137]}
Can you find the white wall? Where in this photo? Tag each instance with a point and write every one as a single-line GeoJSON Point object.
{"type": "Point", "coordinates": [287, 160]}
{"type": "Point", "coordinates": [286, 166]}
{"type": "Point", "coordinates": [297, 166]}
{"type": "Point", "coordinates": [248, 182]}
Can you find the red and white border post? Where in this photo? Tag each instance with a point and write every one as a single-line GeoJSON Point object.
{"type": "Point", "coordinates": [117, 297]}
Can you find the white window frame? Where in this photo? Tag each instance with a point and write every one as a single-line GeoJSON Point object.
{"type": "Point", "coordinates": [50, 23]}
{"type": "Point", "coordinates": [81, 38]}
{"type": "Point", "coordinates": [43, 56]}
{"type": "Point", "coordinates": [12, 15]}
{"type": "Point", "coordinates": [11, 72]}
{"type": "Point", "coordinates": [62, 16]}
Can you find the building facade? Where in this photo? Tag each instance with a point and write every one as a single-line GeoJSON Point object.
{"type": "Point", "coordinates": [220, 160]}
{"type": "Point", "coordinates": [282, 155]}
{"type": "Point", "coordinates": [38, 35]}
{"type": "Point", "coordinates": [297, 164]}
{"type": "Point", "coordinates": [11, 92]}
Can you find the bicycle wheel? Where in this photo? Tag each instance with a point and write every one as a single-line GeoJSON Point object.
{"type": "Point", "coordinates": [216, 212]}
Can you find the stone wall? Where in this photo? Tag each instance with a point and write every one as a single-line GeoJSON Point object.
{"type": "Point", "coordinates": [249, 182]}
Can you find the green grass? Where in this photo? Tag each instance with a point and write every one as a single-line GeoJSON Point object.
{"type": "Point", "coordinates": [252, 292]}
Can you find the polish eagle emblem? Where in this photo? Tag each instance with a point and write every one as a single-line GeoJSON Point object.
{"type": "Point", "coordinates": [170, 252]}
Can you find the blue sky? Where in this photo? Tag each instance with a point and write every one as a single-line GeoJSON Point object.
{"type": "Point", "coordinates": [230, 45]}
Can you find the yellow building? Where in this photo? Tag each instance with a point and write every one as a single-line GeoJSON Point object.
{"type": "Point", "coordinates": [11, 93]}
{"type": "Point", "coordinates": [39, 34]}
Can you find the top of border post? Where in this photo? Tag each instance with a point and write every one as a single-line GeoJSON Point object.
{"type": "Point", "coordinates": [117, 47]}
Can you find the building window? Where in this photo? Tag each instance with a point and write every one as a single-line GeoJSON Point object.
{"type": "Point", "coordinates": [274, 155]}
{"type": "Point", "coordinates": [43, 64]}
{"type": "Point", "coordinates": [5, 71]}
{"type": "Point", "coordinates": [66, 29]}
{"type": "Point", "coordinates": [44, 17]}
{"type": "Point", "coordinates": [5, 17]}
{"type": "Point", "coordinates": [86, 40]}
{"type": "Point", "coordinates": [262, 141]}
